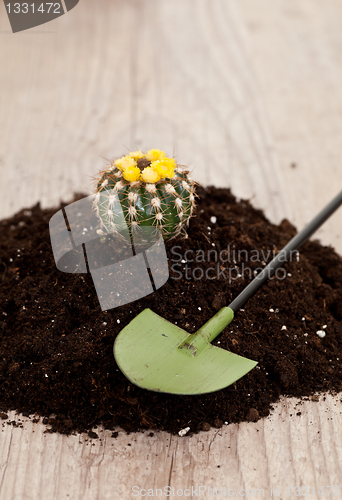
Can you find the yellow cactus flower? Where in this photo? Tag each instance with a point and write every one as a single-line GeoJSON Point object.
{"type": "Point", "coordinates": [125, 162]}
{"type": "Point", "coordinates": [150, 175]}
{"type": "Point", "coordinates": [131, 174]}
{"type": "Point", "coordinates": [164, 167]}
{"type": "Point", "coordinates": [136, 155]}
{"type": "Point", "coordinates": [155, 154]}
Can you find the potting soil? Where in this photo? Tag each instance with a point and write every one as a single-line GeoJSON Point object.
{"type": "Point", "coordinates": [56, 344]}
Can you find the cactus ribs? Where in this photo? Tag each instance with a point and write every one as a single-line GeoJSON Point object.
{"type": "Point", "coordinates": [152, 189]}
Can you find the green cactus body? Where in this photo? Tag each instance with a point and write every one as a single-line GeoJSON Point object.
{"type": "Point", "coordinates": [166, 204]}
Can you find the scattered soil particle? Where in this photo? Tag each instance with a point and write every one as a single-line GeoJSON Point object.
{"type": "Point", "coordinates": [252, 415]}
{"type": "Point", "coordinates": [205, 426]}
{"type": "Point", "coordinates": [92, 435]}
{"type": "Point", "coordinates": [56, 345]}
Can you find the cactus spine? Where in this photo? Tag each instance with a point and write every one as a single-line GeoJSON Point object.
{"type": "Point", "coordinates": [152, 190]}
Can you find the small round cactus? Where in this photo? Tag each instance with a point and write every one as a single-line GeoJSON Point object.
{"type": "Point", "coordinates": [152, 190]}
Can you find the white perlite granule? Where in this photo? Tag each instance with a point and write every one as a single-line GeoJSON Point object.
{"type": "Point", "coordinates": [184, 431]}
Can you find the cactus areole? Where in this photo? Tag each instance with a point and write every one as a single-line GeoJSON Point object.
{"type": "Point", "coordinates": [152, 190]}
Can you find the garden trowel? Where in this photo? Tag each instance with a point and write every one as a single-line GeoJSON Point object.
{"type": "Point", "coordinates": [157, 355]}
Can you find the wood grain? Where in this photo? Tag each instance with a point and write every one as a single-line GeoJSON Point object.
{"type": "Point", "coordinates": [285, 449]}
{"type": "Point", "coordinates": [238, 91]}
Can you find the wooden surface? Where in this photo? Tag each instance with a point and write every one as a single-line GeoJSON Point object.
{"type": "Point", "coordinates": [249, 94]}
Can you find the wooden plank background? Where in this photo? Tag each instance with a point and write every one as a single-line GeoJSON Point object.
{"type": "Point", "coordinates": [248, 94]}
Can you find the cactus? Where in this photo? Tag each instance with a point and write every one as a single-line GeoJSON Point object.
{"type": "Point", "coordinates": [153, 191]}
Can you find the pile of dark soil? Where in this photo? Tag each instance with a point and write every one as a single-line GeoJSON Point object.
{"type": "Point", "coordinates": [56, 344]}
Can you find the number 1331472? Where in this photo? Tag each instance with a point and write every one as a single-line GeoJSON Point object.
{"type": "Point", "coordinates": [25, 8]}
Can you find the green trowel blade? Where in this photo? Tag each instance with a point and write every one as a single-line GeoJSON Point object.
{"type": "Point", "coordinates": [157, 355]}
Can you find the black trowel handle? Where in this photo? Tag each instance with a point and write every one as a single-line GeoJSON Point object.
{"type": "Point", "coordinates": [294, 244]}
